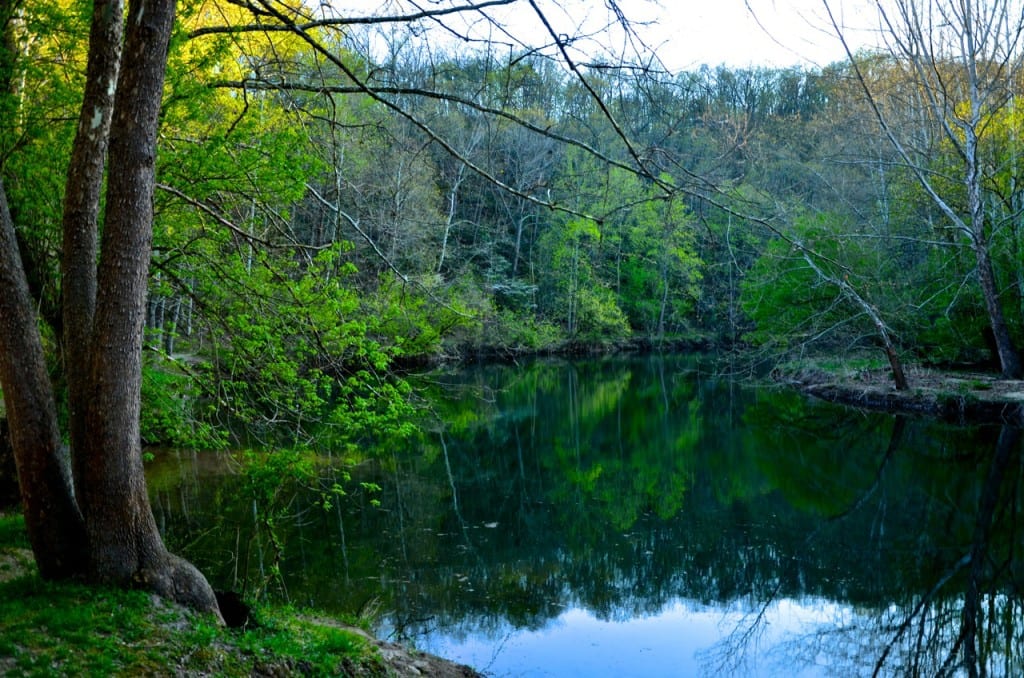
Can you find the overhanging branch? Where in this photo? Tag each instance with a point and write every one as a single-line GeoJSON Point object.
{"type": "Point", "coordinates": [339, 21]}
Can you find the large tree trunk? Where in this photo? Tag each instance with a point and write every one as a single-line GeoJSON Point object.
{"type": "Point", "coordinates": [101, 524]}
{"type": "Point", "coordinates": [124, 543]}
{"type": "Point", "coordinates": [1009, 358]}
{"type": "Point", "coordinates": [55, 526]}
{"type": "Point", "coordinates": [113, 497]}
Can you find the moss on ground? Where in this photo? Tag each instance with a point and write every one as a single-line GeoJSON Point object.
{"type": "Point", "coordinates": [67, 629]}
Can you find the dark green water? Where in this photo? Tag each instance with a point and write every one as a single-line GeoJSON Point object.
{"type": "Point", "coordinates": [643, 517]}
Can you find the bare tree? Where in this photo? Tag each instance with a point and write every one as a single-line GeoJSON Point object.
{"type": "Point", "coordinates": [960, 56]}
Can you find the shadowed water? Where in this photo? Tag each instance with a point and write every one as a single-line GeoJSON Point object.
{"type": "Point", "coordinates": [641, 517]}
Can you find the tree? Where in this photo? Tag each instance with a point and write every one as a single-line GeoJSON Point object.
{"type": "Point", "coordinates": [801, 293]}
{"type": "Point", "coordinates": [86, 504]}
{"type": "Point", "coordinates": [960, 59]}
{"type": "Point", "coordinates": [87, 512]}
{"type": "Point", "coordinates": [579, 299]}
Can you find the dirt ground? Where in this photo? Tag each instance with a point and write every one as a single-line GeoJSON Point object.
{"type": "Point", "coordinates": [405, 662]}
{"type": "Point", "coordinates": [962, 396]}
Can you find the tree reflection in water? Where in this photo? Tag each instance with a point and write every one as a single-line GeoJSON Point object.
{"type": "Point", "coordinates": [968, 622]}
{"type": "Point", "coordinates": [634, 490]}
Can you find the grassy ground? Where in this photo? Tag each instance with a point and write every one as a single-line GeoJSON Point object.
{"type": "Point", "coordinates": [63, 629]}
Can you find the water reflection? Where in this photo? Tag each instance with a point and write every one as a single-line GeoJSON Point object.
{"type": "Point", "coordinates": [645, 517]}
{"type": "Point", "coordinates": [673, 642]}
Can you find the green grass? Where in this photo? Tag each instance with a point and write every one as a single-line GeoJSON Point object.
{"type": "Point", "coordinates": [855, 363]}
{"type": "Point", "coordinates": [67, 629]}
{"type": "Point", "coordinates": [12, 532]}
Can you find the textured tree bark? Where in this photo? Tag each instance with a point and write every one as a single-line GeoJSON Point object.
{"type": "Point", "coordinates": [55, 527]}
{"type": "Point", "coordinates": [81, 211]}
{"type": "Point", "coordinates": [9, 495]}
{"type": "Point", "coordinates": [124, 543]}
{"type": "Point", "coordinates": [1009, 358]}
{"type": "Point", "coordinates": [97, 522]}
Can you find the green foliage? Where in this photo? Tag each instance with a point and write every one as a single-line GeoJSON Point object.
{"type": "Point", "coordinates": [304, 645]}
{"type": "Point", "coordinates": [71, 629]}
{"type": "Point", "coordinates": [585, 306]}
{"type": "Point", "coordinates": [509, 330]}
{"type": "Point", "coordinates": [636, 269]}
{"type": "Point", "coordinates": [784, 298]}
{"type": "Point", "coordinates": [660, 271]}
{"type": "Point", "coordinates": [819, 477]}
{"type": "Point", "coordinates": [174, 412]}
{"type": "Point", "coordinates": [597, 318]}
{"type": "Point", "coordinates": [273, 478]}
{"type": "Point", "coordinates": [951, 321]}
{"type": "Point", "coordinates": [296, 350]}
{"type": "Point", "coordinates": [791, 304]}
{"type": "Point", "coordinates": [40, 92]}
{"type": "Point", "coordinates": [272, 481]}
{"type": "Point", "coordinates": [414, 318]}
{"type": "Point", "coordinates": [501, 318]}
{"type": "Point", "coordinates": [12, 531]}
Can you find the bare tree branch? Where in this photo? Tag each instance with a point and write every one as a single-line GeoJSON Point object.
{"type": "Point", "coordinates": [338, 21]}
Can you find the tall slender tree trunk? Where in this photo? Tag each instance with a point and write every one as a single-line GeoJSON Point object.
{"type": "Point", "coordinates": [169, 329]}
{"type": "Point", "coordinates": [81, 212]}
{"type": "Point", "coordinates": [55, 526]}
{"type": "Point", "coordinates": [1009, 358]}
{"type": "Point", "coordinates": [520, 221]}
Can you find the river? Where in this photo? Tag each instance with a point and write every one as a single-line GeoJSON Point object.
{"type": "Point", "coordinates": [637, 516]}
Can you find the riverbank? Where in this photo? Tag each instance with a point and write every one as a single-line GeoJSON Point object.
{"type": "Point", "coordinates": [960, 397]}
{"type": "Point", "coordinates": [67, 629]}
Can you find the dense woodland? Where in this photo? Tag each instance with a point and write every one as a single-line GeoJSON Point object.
{"type": "Point", "coordinates": [322, 214]}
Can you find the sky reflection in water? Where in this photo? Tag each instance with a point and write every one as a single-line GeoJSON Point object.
{"type": "Point", "coordinates": [685, 639]}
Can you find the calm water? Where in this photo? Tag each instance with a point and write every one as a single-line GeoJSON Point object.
{"type": "Point", "coordinates": [641, 517]}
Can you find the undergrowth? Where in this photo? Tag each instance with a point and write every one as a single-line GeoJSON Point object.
{"type": "Point", "coordinates": [68, 629]}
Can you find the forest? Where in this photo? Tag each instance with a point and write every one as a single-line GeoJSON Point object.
{"type": "Point", "coordinates": [321, 217]}
{"type": "Point", "coordinates": [337, 200]}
